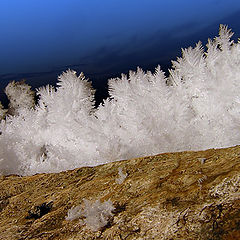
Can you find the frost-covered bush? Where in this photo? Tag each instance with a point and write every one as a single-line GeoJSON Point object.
{"type": "Point", "coordinates": [196, 107]}
{"type": "Point", "coordinates": [20, 96]}
{"type": "Point", "coordinates": [96, 215]}
{"type": "Point", "coordinates": [57, 134]}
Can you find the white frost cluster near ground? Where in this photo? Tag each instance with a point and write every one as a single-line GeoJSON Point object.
{"type": "Point", "coordinates": [96, 215]}
{"type": "Point", "coordinates": [196, 107]}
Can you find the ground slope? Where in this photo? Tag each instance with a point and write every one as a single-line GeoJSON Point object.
{"type": "Point", "coordinates": [186, 195]}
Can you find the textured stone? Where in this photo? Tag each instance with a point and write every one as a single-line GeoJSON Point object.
{"type": "Point", "coordinates": [185, 195]}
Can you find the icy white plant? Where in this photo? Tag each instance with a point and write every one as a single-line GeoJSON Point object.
{"type": "Point", "coordinates": [96, 215]}
{"type": "Point", "coordinates": [20, 96]}
{"type": "Point", "coordinates": [56, 133]}
{"type": "Point", "coordinates": [195, 108]}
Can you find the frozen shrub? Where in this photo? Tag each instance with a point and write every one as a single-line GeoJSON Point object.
{"type": "Point", "coordinates": [52, 136]}
{"type": "Point", "coordinates": [195, 108]}
{"type": "Point", "coordinates": [20, 96]}
{"type": "Point", "coordinates": [96, 215]}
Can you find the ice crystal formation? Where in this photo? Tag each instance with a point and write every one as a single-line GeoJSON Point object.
{"type": "Point", "coordinates": [196, 107]}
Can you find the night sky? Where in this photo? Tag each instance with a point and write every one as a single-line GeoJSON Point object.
{"type": "Point", "coordinates": [103, 38]}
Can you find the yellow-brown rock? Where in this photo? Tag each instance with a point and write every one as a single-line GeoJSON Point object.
{"type": "Point", "coordinates": [186, 195]}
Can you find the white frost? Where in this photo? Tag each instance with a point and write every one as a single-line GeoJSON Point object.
{"type": "Point", "coordinates": [195, 108]}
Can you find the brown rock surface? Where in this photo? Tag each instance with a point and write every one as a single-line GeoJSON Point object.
{"type": "Point", "coordinates": [186, 195]}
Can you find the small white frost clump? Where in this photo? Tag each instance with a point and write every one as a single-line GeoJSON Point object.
{"type": "Point", "coordinates": [121, 177]}
{"type": "Point", "coordinates": [96, 214]}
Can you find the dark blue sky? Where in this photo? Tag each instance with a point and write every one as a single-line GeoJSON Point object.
{"type": "Point", "coordinates": [103, 38]}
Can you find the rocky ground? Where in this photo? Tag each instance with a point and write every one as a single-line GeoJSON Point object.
{"type": "Point", "coordinates": [186, 195]}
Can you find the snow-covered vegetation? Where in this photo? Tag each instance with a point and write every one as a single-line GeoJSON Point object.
{"type": "Point", "coordinates": [20, 97]}
{"type": "Point", "coordinates": [96, 214]}
{"type": "Point", "coordinates": [196, 107]}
